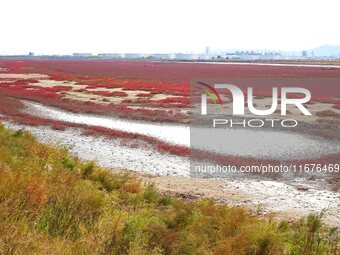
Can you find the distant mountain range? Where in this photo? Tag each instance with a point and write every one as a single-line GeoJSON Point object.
{"type": "Point", "coordinates": [327, 51]}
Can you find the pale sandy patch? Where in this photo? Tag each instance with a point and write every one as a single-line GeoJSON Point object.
{"type": "Point", "coordinates": [106, 89]}
{"type": "Point", "coordinates": [23, 76]}
{"type": "Point", "coordinates": [82, 95]}
{"type": "Point", "coordinates": [260, 196]}
{"type": "Point", "coordinates": [54, 83]}
{"type": "Point", "coordinates": [194, 188]}
{"type": "Point", "coordinates": [176, 110]}
{"type": "Point", "coordinates": [164, 96]}
{"type": "Point", "coordinates": [87, 97]}
{"type": "Point", "coordinates": [132, 94]}
{"type": "Point", "coordinates": [6, 81]}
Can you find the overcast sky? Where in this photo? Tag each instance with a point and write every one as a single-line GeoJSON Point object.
{"type": "Point", "coordinates": [67, 26]}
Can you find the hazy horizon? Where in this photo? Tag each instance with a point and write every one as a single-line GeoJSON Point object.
{"type": "Point", "coordinates": [151, 26]}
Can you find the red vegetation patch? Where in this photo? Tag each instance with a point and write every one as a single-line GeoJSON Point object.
{"type": "Point", "coordinates": [53, 98]}
{"type": "Point", "coordinates": [168, 78]}
{"type": "Point", "coordinates": [325, 100]}
{"type": "Point", "coordinates": [59, 88]}
{"type": "Point", "coordinates": [108, 94]}
{"type": "Point", "coordinates": [336, 106]}
{"type": "Point", "coordinates": [24, 81]}
{"type": "Point", "coordinates": [183, 100]}
{"type": "Point", "coordinates": [328, 113]}
{"type": "Point", "coordinates": [145, 95]}
{"type": "Point", "coordinates": [58, 126]}
{"type": "Point", "coordinates": [159, 145]}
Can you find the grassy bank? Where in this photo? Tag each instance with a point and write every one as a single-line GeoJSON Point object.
{"type": "Point", "coordinates": [52, 203]}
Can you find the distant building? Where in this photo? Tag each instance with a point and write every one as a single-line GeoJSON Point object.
{"type": "Point", "coordinates": [203, 56]}
{"type": "Point", "coordinates": [111, 55]}
{"type": "Point", "coordinates": [31, 54]}
{"type": "Point", "coordinates": [82, 55]}
{"type": "Point", "coordinates": [160, 56]}
{"type": "Point", "coordinates": [182, 56]}
{"type": "Point", "coordinates": [134, 55]}
{"type": "Point", "coordinates": [304, 54]}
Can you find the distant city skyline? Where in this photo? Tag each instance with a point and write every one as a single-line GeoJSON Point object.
{"type": "Point", "coordinates": [150, 26]}
{"type": "Point", "coordinates": [328, 51]}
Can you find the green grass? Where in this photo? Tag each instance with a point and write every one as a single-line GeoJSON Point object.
{"type": "Point", "coordinates": [52, 203]}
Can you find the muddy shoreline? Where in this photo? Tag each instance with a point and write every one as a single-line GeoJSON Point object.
{"type": "Point", "coordinates": [254, 143]}
{"type": "Point", "coordinates": [289, 199]}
